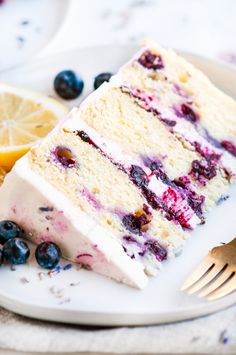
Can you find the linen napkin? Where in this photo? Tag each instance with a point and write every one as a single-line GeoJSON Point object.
{"type": "Point", "coordinates": [212, 334]}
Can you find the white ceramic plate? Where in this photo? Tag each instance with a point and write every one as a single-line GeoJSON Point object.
{"type": "Point", "coordinates": [83, 297]}
{"type": "Point", "coordinates": [28, 26]}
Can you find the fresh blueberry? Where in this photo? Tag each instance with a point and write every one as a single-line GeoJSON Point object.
{"type": "Point", "coordinates": [48, 255]}
{"type": "Point", "coordinates": [68, 85]}
{"type": "Point", "coordinates": [101, 78]}
{"type": "Point", "coordinates": [9, 230]}
{"type": "Point", "coordinates": [16, 251]}
{"type": "Point", "coordinates": [1, 257]}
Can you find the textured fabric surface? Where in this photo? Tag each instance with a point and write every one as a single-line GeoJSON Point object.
{"type": "Point", "coordinates": [212, 334]}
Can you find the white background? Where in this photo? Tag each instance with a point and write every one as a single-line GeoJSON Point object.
{"type": "Point", "coordinates": [205, 27]}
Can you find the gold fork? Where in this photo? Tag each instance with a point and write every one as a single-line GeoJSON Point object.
{"type": "Point", "coordinates": [215, 277]}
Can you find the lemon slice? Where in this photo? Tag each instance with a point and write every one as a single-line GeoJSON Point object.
{"type": "Point", "coordinates": [25, 117]}
{"type": "Point", "coordinates": [2, 175]}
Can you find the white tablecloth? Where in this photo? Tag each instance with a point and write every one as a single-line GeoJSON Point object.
{"type": "Point", "coordinates": [213, 334]}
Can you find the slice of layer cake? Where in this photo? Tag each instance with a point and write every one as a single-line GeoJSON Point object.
{"type": "Point", "coordinates": [185, 100]}
{"type": "Point", "coordinates": [182, 182]}
{"type": "Point", "coordinates": [144, 158]}
{"type": "Point", "coordinates": [69, 191]}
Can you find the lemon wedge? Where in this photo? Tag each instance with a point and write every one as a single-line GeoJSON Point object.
{"type": "Point", "coordinates": [2, 175]}
{"type": "Point", "coordinates": [25, 117]}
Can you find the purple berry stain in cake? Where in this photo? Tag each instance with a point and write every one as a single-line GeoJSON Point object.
{"type": "Point", "coordinates": [195, 201]}
{"type": "Point", "coordinates": [91, 198]}
{"type": "Point", "coordinates": [151, 60]}
{"type": "Point", "coordinates": [179, 91]}
{"type": "Point", "coordinates": [203, 170]}
{"type": "Point", "coordinates": [230, 147]}
{"type": "Point", "coordinates": [173, 200]}
{"type": "Point", "coordinates": [145, 100]}
{"type": "Point", "coordinates": [168, 122]}
{"type": "Point", "coordinates": [131, 240]}
{"type": "Point", "coordinates": [155, 248]}
{"type": "Point", "coordinates": [186, 112]}
{"type": "Point", "coordinates": [64, 156]}
{"type": "Point", "coordinates": [209, 154]}
{"type": "Point", "coordinates": [211, 139]}
{"type": "Point", "coordinates": [59, 222]}
{"type": "Point", "coordinates": [148, 102]}
{"type": "Point", "coordinates": [135, 223]}
{"type": "Point", "coordinates": [156, 166]}
{"type": "Point", "coordinates": [144, 247]}
{"type": "Point", "coordinates": [85, 137]}
{"type": "Point", "coordinates": [138, 176]}
{"type": "Point", "coordinates": [85, 259]}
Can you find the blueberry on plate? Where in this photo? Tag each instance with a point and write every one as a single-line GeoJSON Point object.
{"type": "Point", "coordinates": [99, 79]}
{"type": "Point", "coordinates": [9, 230]}
{"type": "Point", "coordinates": [48, 255]}
{"type": "Point", "coordinates": [68, 85]}
{"type": "Point", "coordinates": [15, 251]}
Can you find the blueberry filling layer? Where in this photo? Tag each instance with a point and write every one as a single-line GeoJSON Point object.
{"type": "Point", "coordinates": [138, 176]}
{"type": "Point", "coordinates": [210, 155]}
{"type": "Point", "coordinates": [155, 248]}
{"type": "Point", "coordinates": [85, 138]}
{"type": "Point", "coordinates": [151, 60]}
{"type": "Point", "coordinates": [144, 248]}
{"type": "Point", "coordinates": [181, 185]}
{"type": "Point", "coordinates": [195, 201]}
{"type": "Point", "coordinates": [156, 166]}
{"type": "Point", "coordinates": [173, 202]}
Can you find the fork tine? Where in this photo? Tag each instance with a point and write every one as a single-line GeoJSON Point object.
{"type": "Point", "coordinates": [202, 282]}
{"type": "Point", "coordinates": [197, 273]}
{"type": "Point", "coordinates": [229, 287]}
{"type": "Point", "coordinates": [217, 283]}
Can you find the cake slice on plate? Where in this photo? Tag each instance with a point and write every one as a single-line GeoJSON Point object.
{"type": "Point", "coordinates": [69, 191]}
{"type": "Point", "coordinates": [120, 180]}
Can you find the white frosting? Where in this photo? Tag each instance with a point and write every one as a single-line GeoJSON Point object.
{"type": "Point", "coordinates": [23, 192]}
